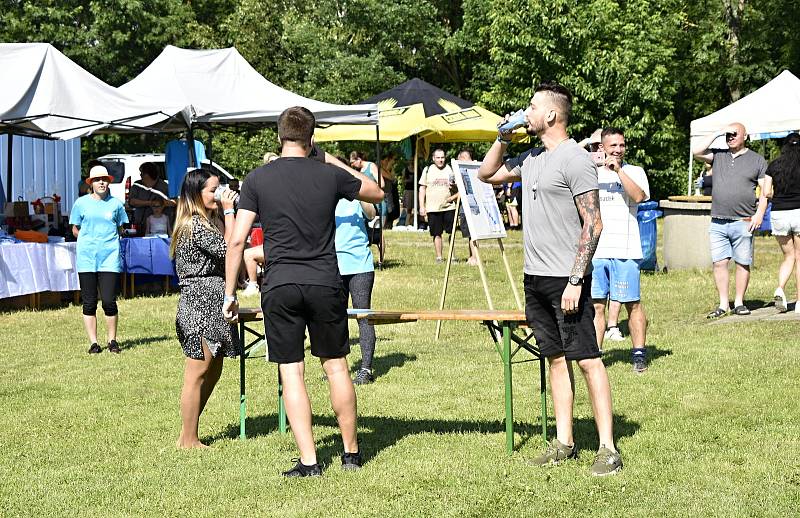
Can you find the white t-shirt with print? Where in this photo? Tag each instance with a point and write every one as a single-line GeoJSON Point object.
{"type": "Point", "coordinates": [620, 236]}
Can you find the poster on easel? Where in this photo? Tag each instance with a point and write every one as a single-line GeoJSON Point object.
{"type": "Point", "coordinates": [480, 204]}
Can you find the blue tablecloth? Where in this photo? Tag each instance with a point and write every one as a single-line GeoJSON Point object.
{"type": "Point", "coordinates": [147, 255]}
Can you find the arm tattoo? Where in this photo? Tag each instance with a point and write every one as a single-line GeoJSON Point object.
{"type": "Point", "coordinates": [588, 205]}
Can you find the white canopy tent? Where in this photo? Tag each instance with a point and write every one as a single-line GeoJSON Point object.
{"type": "Point", "coordinates": [223, 88]}
{"type": "Point", "coordinates": [772, 111]}
{"type": "Point", "coordinates": [45, 94]}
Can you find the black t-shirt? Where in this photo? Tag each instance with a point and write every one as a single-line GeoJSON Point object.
{"type": "Point", "coordinates": [295, 199]}
{"type": "Point", "coordinates": [787, 195]}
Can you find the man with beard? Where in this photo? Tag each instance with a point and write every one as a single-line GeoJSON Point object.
{"type": "Point", "coordinates": [561, 230]}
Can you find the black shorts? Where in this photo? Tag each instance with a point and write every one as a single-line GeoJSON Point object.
{"type": "Point", "coordinates": [462, 223]}
{"type": "Point", "coordinates": [557, 334]}
{"type": "Point", "coordinates": [439, 222]}
{"type": "Point", "coordinates": [290, 308]}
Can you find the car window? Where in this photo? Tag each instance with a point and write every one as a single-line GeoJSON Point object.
{"type": "Point", "coordinates": [115, 169]}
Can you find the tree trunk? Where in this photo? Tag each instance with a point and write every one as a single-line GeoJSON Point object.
{"type": "Point", "coordinates": [733, 11]}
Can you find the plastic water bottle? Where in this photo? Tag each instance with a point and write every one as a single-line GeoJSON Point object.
{"type": "Point", "coordinates": [516, 120]}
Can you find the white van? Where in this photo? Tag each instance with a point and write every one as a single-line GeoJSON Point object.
{"type": "Point", "coordinates": [125, 170]}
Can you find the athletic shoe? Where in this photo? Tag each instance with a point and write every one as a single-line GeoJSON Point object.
{"type": "Point", "coordinates": [555, 454]}
{"type": "Point", "coordinates": [606, 462]}
{"type": "Point", "coordinates": [351, 461]}
{"type": "Point", "coordinates": [780, 300]}
{"type": "Point", "coordinates": [251, 289]}
{"type": "Point", "coordinates": [639, 361]}
{"type": "Point", "coordinates": [113, 347]}
{"type": "Point", "coordinates": [439, 260]}
{"type": "Point", "coordinates": [614, 334]}
{"type": "Point", "coordinates": [95, 349]}
{"type": "Point", "coordinates": [363, 377]}
{"type": "Point", "coordinates": [301, 470]}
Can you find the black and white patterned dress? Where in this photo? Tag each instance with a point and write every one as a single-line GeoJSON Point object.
{"type": "Point", "coordinates": [200, 264]}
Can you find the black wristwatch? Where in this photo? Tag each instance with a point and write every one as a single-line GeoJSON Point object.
{"type": "Point", "coordinates": [575, 280]}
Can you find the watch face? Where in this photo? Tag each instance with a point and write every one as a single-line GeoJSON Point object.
{"type": "Point", "coordinates": [575, 280]}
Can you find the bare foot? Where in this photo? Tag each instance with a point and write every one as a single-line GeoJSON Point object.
{"type": "Point", "coordinates": [189, 444]}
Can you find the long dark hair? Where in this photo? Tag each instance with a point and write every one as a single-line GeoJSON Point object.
{"type": "Point", "coordinates": [785, 170]}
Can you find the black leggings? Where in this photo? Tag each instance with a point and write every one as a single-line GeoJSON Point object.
{"type": "Point", "coordinates": [107, 282]}
{"type": "Point", "coordinates": [359, 288]}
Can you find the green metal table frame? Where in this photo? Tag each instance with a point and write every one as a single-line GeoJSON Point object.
{"type": "Point", "coordinates": [512, 344]}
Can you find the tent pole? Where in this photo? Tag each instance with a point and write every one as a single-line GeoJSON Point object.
{"type": "Point", "coordinates": [9, 163]}
{"type": "Point", "coordinates": [380, 184]}
{"type": "Point", "coordinates": [416, 179]}
{"type": "Point", "coordinates": [190, 142]}
{"type": "Point", "coordinates": [689, 183]}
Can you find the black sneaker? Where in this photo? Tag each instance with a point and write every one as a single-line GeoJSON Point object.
{"type": "Point", "coordinates": [363, 377]}
{"type": "Point", "coordinates": [95, 349]}
{"type": "Point", "coordinates": [113, 347]}
{"type": "Point", "coordinates": [351, 461]}
{"type": "Point", "coordinates": [301, 470]}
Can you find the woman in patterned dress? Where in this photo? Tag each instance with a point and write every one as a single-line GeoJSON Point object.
{"type": "Point", "coordinates": [198, 246]}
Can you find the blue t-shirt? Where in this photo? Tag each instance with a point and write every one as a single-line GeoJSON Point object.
{"type": "Point", "coordinates": [352, 244]}
{"type": "Point", "coordinates": [177, 161]}
{"type": "Point", "coordinates": [98, 240]}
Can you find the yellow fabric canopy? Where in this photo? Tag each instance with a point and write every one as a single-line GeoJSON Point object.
{"type": "Point", "coordinates": [474, 124]}
{"type": "Point", "coordinates": [395, 124]}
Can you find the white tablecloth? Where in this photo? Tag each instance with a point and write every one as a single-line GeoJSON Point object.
{"type": "Point", "coordinates": [27, 268]}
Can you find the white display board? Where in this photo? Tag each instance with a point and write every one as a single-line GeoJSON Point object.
{"type": "Point", "coordinates": [480, 205]}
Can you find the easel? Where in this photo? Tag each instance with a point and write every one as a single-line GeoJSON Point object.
{"type": "Point", "coordinates": [484, 281]}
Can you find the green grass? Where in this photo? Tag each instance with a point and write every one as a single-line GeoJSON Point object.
{"type": "Point", "coordinates": [711, 429]}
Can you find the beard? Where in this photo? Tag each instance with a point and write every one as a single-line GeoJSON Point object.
{"type": "Point", "coordinates": [535, 127]}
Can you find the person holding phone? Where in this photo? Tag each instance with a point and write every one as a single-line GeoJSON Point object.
{"type": "Point", "coordinates": [615, 266]}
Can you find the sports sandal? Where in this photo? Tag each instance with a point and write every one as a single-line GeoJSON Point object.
{"type": "Point", "coordinates": [741, 310]}
{"type": "Point", "coordinates": [719, 312]}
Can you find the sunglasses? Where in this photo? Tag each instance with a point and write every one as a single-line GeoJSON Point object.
{"type": "Point", "coordinates": [730, 136]}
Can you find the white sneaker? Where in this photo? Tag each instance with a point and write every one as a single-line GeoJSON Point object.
{"type": "Point", "coordinates": [614, 334]}
{"type": "Point", "coordinates": [780, 300]}
{"type": "Point", "coordinates": [251, 289]}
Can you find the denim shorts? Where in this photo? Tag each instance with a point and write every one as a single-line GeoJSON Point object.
{"type": "Point", "coordinates": [731, 239]}
{"type": "Point", "coordinates": [785, 222]}
{"type": "Point", "coordinates": [617, 279]}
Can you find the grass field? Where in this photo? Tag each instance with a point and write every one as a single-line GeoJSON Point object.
{"type": "Point", "coordinates": [711, 429]}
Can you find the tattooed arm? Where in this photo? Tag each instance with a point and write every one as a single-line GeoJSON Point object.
{"type": "Point", "coordinates": [588, 205]}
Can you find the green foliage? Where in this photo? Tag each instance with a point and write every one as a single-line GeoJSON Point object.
{"type": "Point", "coordinates": [648, 66]}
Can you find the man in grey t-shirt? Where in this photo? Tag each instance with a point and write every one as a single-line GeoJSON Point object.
{"type": "Point", "coordinates": [561, 229]}
{"type": "Point", "coordinates": [734, 211]}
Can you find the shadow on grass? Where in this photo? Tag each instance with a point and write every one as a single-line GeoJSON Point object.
{"type": "Point", "coordinates": [376, 433]}
{"type": "Point", "coordinates": [132, 344]}
{"type": "Point", "coordinates": [389, 263]}
{"type": "Point", "coordinates": [610, 357]}
{"type": "Point", "coordinates": [383, 364]}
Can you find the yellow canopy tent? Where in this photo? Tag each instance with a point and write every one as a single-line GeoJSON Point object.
{"type": "Point", "coordinates": [417, 108]}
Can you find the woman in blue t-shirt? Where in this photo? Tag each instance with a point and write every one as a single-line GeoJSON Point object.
{"type": "Point", "coordinates": [358, 273]}
{"type": "Point", "coordinates": [96, 221]}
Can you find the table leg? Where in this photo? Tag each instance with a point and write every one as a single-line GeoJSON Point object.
{"type": "Point", "coordinates": [133, 285]}
{"type": "Point", "coordinates": [508, 386]}
{"type": "Point", "coordinates": [543, 395]}
{"type": "Point", "coordinates": [242, 396]}
{"type": "Point", "coordinates": [281, 406]}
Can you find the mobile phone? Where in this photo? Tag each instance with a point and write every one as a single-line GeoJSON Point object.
{"type": "Point", "coordinates": [598, 157]}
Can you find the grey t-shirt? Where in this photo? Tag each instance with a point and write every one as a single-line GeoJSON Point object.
{"type": "Point", "coordinates": [552, 225]}
{"type": "Point", "coordinates": [735, 180]}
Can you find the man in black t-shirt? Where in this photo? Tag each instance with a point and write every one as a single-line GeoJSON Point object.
{"type": "Point", "coordinates": [295, 198]}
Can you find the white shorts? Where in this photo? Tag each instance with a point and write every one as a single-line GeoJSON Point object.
{"type": "Point", "coordinates": [785, 222]}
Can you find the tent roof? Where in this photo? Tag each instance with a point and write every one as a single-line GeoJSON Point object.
{"type": "Point", "coordinates": [223, 88]}
{"type": "Point", "coordinates": [416, 91]}
{"type": "Point", "coordinates": [43, 93]}
{"type": "Point", "coordinates": [769, 112]}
